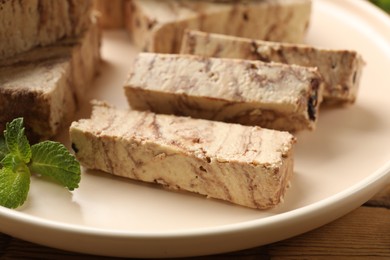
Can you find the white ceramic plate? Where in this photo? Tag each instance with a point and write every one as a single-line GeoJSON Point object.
{"type": "Point", "coordinates": [338, 167]}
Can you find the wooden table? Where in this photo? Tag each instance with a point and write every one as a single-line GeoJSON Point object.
{"type": "Point", "coordinates": [362, 234]}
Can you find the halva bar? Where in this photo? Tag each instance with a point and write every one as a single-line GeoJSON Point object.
{"type": "Point", "coordinates": [158, 26]}
{"type": "Point", "coordinates": [269, 95]}
{"type": "Point", "coordinates": [45, 84]}
{"type": "Point", "coordinates": [25, 24]}
{"type": "Point", "coordinates": [340, 69]}
{"type": "Point", "coordinates": [248, 166]}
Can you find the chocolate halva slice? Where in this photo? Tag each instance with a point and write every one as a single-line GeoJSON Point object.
{"type": "Point", "coordinates": [25, 24]}
{"type": "Point", "coordinates": [248, 166]}
{"type": "Point", "coordinates": [158, 26]}
{"type": "Point", "coordinates": [269, 95]}
{"type": "Point", "coordinates": [45, 84]}
{"type": "Point", "coordinates": [340, 69]}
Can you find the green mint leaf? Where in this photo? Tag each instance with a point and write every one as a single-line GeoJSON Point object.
{"type": "Point", "coordinates": [52, 159]}
{"type": "Point", "coordinates": [14, 186]}
{"type": "Point", "coordinates": [18, 158]}
{"type": "Point", "coordinates": [12, 162]}
{"type": "Point", "coordinates": [384, 4]}
{"type": "Point", "coordinates": [3, 148]}
{"type": "Point", "coordinates": [16, 141]}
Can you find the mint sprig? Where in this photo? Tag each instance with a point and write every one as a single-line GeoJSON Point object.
{"type": "Point", "coordinates": [18, 160]}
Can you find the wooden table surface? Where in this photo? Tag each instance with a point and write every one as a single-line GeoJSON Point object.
{"type": "Point", "coordinates": [361, 234]}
